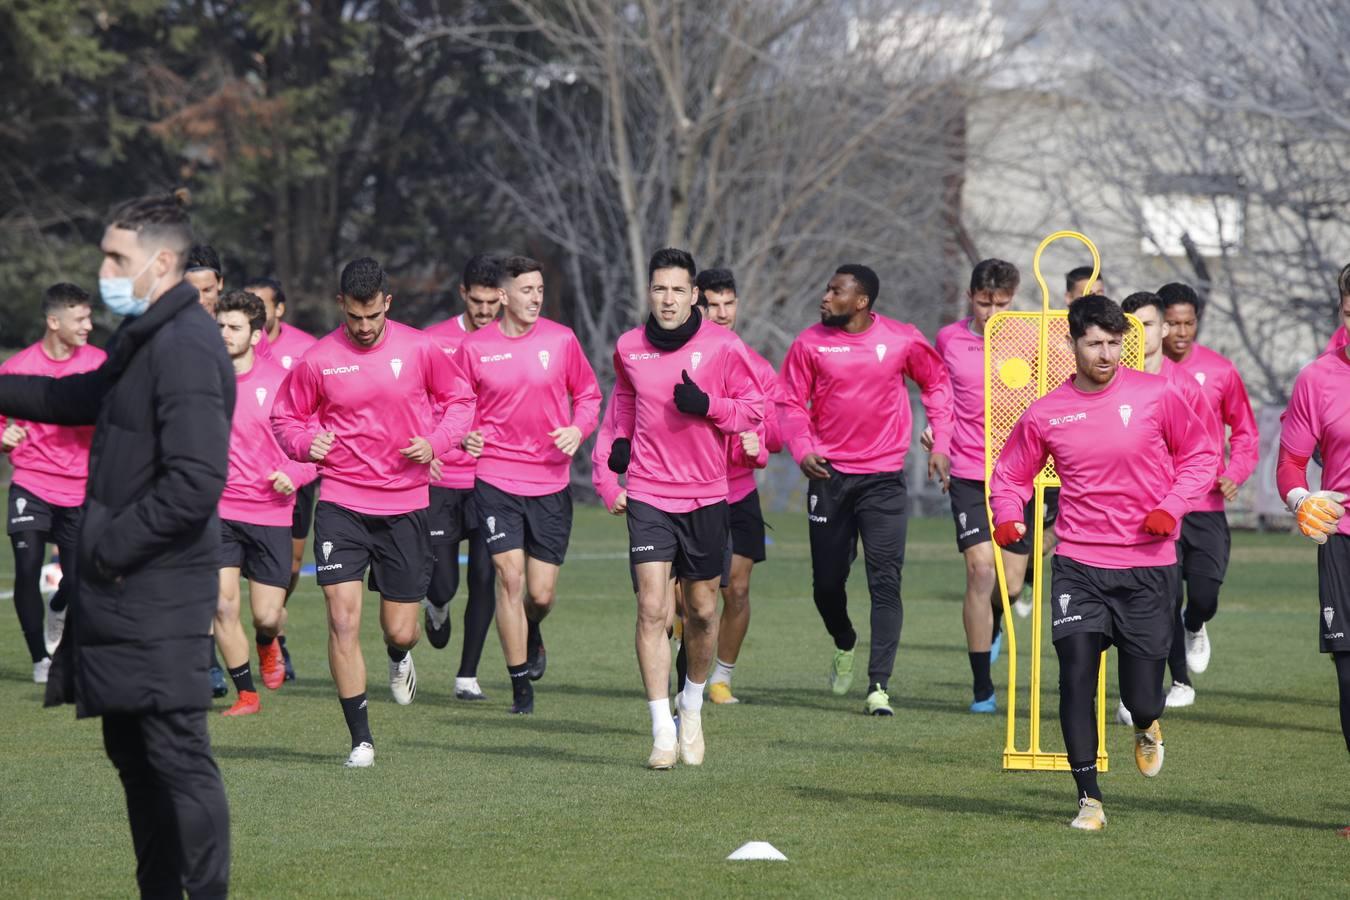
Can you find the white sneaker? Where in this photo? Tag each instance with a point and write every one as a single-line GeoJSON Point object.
{"type": "Point", "coordinates": [1180, 695]}
{"type": "Point", "coordinates": [691, 737]}
{"type": "Point", "coordinates": [468, 689]}
{"type": "Point", "coordinates": [1197, 649]}
{"type": "Point", "coordinates": [403, 680]}
{"type": "Point", "coordinates": [361, 757]}
{"type": "Point", "coordinates": [1023, 605]}
{"type": "Point", "coordinates": [40, 670]}
{"type": "Point", "coordinates": [1123, 715]}
{"type": "Point", "coordinates": [56, 626]}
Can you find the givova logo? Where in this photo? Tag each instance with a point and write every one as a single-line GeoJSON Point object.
{"type": "Point", "coordinates": [635, 357]}
{"type": "Point", "coordinates": [342, 370]}
{"type": "Point", "coordinates": [495, 357]}
{"type": "Point", "coordinates": [821, 348]}
{"type": "Point", "coordinates": [1071, 417]}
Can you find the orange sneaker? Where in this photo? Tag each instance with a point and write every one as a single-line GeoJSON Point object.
{"type": "Point", "coordinates": [247, 704]}
{"type": "Point", "coordinates": [272, 666]}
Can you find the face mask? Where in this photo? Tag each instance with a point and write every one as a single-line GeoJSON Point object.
{"type": "Point", "coordinates": [117, 292]}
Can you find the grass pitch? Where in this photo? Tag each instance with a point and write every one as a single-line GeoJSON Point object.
{"type": "Point", "coordinates": [465, 800]}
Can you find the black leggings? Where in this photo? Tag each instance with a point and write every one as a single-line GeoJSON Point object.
{"type": "Point", "coordinates": [1140, 690]}
{"type": "Point", "coordinates": [1201, 603]}
{"type": "Point", "coordinates": [30, 552]}
{"type": "Point", "coordinates": [482, 603]}
{"type": "Point", "coordinates": [1342, 661]}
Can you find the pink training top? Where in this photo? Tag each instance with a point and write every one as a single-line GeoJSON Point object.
{"type": "Point", "coordinates": [53, 461]}
{"type": "Point", "coordinates": [457, 466]}
{"type": "Point", "coordinates": [1122, 452]}
{"type": "Point", "coordinates": [375, 400]}
{"type": "Point", "coordinates": [255, 454]}
{"type": "Point", "coordinates": [846, 397]}
{"type": "Point", "coordinates": [290, 345]}
{"type": "Point", "coordinates": [1339, 338]}
{"type": "Point", "coordinates": [1318, 414]}
{"type": "Point", "coordinates": [962, 352]}
{"type": "Point", "coordinates": [520, 389]}
{"type": "Point", "coordinates": [1227, 397]}
{"type": "Point", "coordinates": [679, 460]}
{"type": "Point", "coordinates": [740, 469]}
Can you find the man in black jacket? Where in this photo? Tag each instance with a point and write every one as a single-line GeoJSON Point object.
{"type": "Point", "coordinates": [138, 631]}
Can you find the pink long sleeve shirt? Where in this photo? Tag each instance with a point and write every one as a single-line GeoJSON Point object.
{"type": "Point", "coordinates": [846, 397]}
{"type": "Point", "coordinates": [740, 468]}
{"type": "Point", "coordinates": [1121, 452]}
{"type": "Point", "coordinates": [962, 352]}
{"type": "Point", "coordinates": [255, 454]}
{"type": "Point", "coordinates": [457, 466]}
{"type": "Point", "coordinates": [1318, 415]}
{"type": "Point", "coordinates": [523, 388]}
{"type": "Point", "coordinates": [679, 460]}
{"type": "Point", "coordinates": [1227, 397]}
{"type": "Point", "coordinates": [53, 461]}
{"type": "Point", "coordinates": [375, 400]}
{"type": "Point", "coordinates": [290, 345]}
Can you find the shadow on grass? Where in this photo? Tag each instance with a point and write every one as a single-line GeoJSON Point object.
{"type": "Point", "coordinates": [945, 803]}
{"type": "Point", "coordinates": [552, 754]}
{"type": "Point", "coordinates": [1231, 721]}
{"type": "Point", "coordinates": [1327, 702]}
{"type": "Point", "coordinates": [268, 755]}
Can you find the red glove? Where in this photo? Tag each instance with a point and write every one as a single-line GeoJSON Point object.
{"type": "Point", "coordinates": [1159, 523]}
{"type": "Point", "coordinates": [1009, 533]}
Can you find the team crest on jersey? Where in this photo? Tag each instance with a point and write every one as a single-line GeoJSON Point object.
{"type": "Point", "coordinates": [1200, 377]}
{"type": "Point", "coordinates": [962, 517]}
{"type": "Point", "coordinates": [1064, 604]}
{"type": "Point", "coordinates": [327, 549]}
{"type": "Point", "coordinates": [261, 394]}
{"type": "Point", "coordinates": [1125, 410]}
{"type": "Point", "coordinates": [1328, 613]}
{"type": "Point", "coordinates": [543, 359]}
{"type": "Point", "coordinates": [881, 352]}
{"type": "Point", "coordinates": [286, 362]}
{"type": "Point", "coordinates": [694, 359]}
{"type": "Point", "coordinates": [396, 365]}
{"type": "Point", "coordinates": [21, 504]}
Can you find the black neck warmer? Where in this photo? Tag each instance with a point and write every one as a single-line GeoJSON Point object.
{"type": "Point", "coordinates": [676, 338]}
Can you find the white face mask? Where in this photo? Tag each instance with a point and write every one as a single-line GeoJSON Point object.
{"type": "Point", "coordinates": [118, 296]}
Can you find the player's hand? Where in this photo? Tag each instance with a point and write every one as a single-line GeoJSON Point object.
{"type": "Point", "coordinates": [1229, 488]}
{"type": "Point", "coordinates": [437, 470]}
{"type": "Point", "coordinates": [1009, 533]}
{"type": "Point", "coordinates": [473, 443]}
{"type": "Point", "coordinates": [1318, 514]}
{"type": "Point", "coordinates": [813, 467]}
{"type": "Point", "coordinates": [323, 442]}
{"type": "Point", "coordinates": [1159, 523]}
{"type": "Point", "coordinates": [689, 397]}
{"type": "Point", "coordinates": [281, 483]}
{"type": "Point", "coordinates": [926, 439]}
{"type": "Point", "coordinates": [419, 451]}
{"type": "Point", "coordinates": [750, 444]}
{"type": "Point", "coordinates": [940, 469]}
{"type": "Point", "coordinates": [620, 504]}
{"type": "Point", "coordinates": [13, 436]}
{"type": "Point", "coordinates": [567, 439]}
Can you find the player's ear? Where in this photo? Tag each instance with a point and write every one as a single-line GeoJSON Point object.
{"type": "Point", "coordinates": [254, 338]}
{"type": "Point", "coordinates": [1068, 342]}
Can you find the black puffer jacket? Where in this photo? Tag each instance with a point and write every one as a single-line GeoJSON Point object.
{"type": "Point", "coordinates": [149, 543]}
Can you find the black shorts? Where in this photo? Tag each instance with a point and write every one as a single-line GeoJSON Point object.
{"type": "Point", "coordinates": [747, 527]}
{"type": "Point", "coordinates": [1133, 608]}
{"type": "Point", "coordinates": [1204, 545]}
{"type": "Point", "coordinates": [696, 541]}
{"type": "Point", "coordinates": [726, 568]}
{"type": "Point", "coordinates": [303, 515]}
{"type": "Point", "coordinates": [29, 512]}
{"type": "Point", "coordinates": [541, 526]}
{"type": "Point", "coordinates": [261, 552]}
{"type": "Point", "coordinates": [1333, 589]}
{"type": "Point", "coordinates": [396, 549]}
{"type": "Point", "coordinates": [971, 517]}
{"type": "Point", "coordinates": [451, 516]}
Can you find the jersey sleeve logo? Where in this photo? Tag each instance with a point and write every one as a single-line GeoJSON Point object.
{"type": "Point", "coordinates": [261, 394]}
{"type": "Point", "coordinates": [1125, 410]}
{"type": "Point", "coordinates": [881, 352]}
{"type": "Point", "coordinates": [543, 359]}
{"type": "Point", "coordinates": [396, 365]}
{"type": "Point", "coordinates": [694, 359]}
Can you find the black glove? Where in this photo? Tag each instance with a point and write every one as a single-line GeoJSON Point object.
{"type": "Point", "coordinates": [689, 397]}
{"type": "Point", "coordinates": [620, 453]}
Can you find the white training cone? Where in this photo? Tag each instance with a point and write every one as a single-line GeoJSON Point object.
{"type": "Point", "coordinates": [757, 850]}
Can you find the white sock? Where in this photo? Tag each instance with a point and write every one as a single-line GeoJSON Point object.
{"type": "Point", "coordinates": [663, 723]}
{"type": "Point", "coordinates": [722, 673]}
{"type": "Point", "coordinates": [691, 698]}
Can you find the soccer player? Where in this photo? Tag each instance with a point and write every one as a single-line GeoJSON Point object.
{"type": "Point", "coordinates": [452, 517]}
{"type": "Point", "coordinates": [51, 465]}
{"type": "Point", "coordinates": [361, 403]}
{"type": "Point", "coordinates": [535, 399]}
{"type": "Point", "coordinates": [283, 343]}
{"type": "Point", "coordinates": [255, 509]}
{"type": "Point", "coordinates": [204, 273]}
{"type": "Point", "coordinates": [993, 284]}
{"type": "Point", "coordinates": [749, 451]}
{"type": "Point", "coordinates": [1318, 415]}
{"type": "Point", "coordinates": [684, 388]}
{"type": "Point", "coordinates": [848, 423]}
{"type": "Point", "coordinates": [1205, 541]}
{"type": "Point", "coordinates": [1075, 280]}
{"type": "Point", "coordinates": [1132, 457]}
{"type": "Point", "coordinates": [1341, 337]}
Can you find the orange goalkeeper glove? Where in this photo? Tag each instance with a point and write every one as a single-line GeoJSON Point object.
{"type": "Point", "coordinates": [1318, 514]}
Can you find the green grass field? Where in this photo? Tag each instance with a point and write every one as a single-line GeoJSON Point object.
{"type": "Point", "coordinates": [466, 800]}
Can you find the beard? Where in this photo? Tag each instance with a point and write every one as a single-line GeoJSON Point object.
{"type": "Point", "coordinates": [834, 321]}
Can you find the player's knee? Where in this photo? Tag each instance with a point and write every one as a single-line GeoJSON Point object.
{"type": "Point", "coordinates": [402, 635]}
{"type": "Point", "coordinates": [267, 619]}
{"type": "Point", "coordinates": [981, 576]}
{"type": "Point", "coordinates": [543, 600]}
{"type": "Point", "coordinates": [345, 625]}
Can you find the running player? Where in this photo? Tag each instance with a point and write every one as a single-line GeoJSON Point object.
{"type": "Point", "coordinates": [1132, 457]}
{"type": "Point", "coordinates": [1205, 540]}
{"type": "Point", "coordinates": [255, 508]}
{"type": "Point", "coordinates": [1318, 415]}
{"type": "Point", "coordinates": [205, 274]}
{"type": "Point", "coordinates": [684, 388]}
{"type": "Point", "coordinates": [452, 516]}
{"type": "Point", "coordinates": [749, 451]}
{"type": "Point", "coordinates": [535, 399]}
{"type": "Point", "coordinates": [1341, 337]}
{"type": "Point", "coordinates": [361, 403]}
{"type": "Point", "coordinates": [993, 284]}
{"type": "Point", "coordinates": [848, 426]}
{"type": "Point", "coordinates": [51, 464]}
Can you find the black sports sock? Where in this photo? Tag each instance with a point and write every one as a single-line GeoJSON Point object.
{"type": "Point", "coordinates": [395, 654]}
{"type": "Point", "coordinates": [981, 683]}
{"type": "Point", "coordinates": [1085, 778]}
{"type": "Point", "coordinates": [358, 721]}
{"type": "Point", "coordinates": [243, 679]}
{"type": "Point", "coordinates": [681, 668]}
{"type": "Point", "coordinates": [262, 639]}
{"type": "Point", "coordinates": [521, 688]}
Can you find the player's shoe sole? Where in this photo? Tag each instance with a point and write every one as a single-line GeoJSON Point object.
{"type": "Point", "coordinates": [271, 666]}
{"type": "Point", "coordinates": [247, 704]}
{"type": "Point", "coordinates": [361, 757]}
{"type": "Point", "coordinates": [436, 623]}
{"type": "Point", "coordinates": [1197, 649]}
{"type": "Point", "coordinates": [690, 738]}
{"type": "Point", "coordinates": [403, 680]}
{"type": "Point", "coordinates": [1091, 816]}
{"type": "Point", "coordinates": [878, 702]}
{"type": "Point", "coordinates": [1148, 750]}
{"type": "Point", "coordinates": [719, 692]}
{"type": "Point", "coordinates": [841, 672]}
